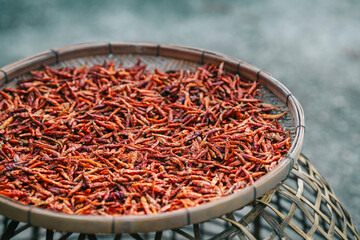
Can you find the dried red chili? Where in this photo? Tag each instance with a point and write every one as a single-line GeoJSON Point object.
{"type": "Point", "coordinates": [119, 141]}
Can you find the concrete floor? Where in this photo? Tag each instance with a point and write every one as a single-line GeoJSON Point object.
{"type": "Point", "coordinates": [313, 47]}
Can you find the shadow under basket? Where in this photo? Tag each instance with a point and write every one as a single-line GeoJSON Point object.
{"type": "Point", "coordinates": [164, 57]}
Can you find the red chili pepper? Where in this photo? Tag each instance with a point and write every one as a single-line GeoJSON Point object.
{"type": "Point", "coordinates": [117, 140]}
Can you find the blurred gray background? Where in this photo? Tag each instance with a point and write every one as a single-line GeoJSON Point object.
{"type": "Point", "coordinates": [313, 47]}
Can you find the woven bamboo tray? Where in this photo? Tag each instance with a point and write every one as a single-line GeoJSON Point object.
{"type": "Point", "coordinates": [165, 57]}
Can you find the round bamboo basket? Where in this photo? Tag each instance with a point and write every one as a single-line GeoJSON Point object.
{"type": "Point", "coordinates": [165, 57]}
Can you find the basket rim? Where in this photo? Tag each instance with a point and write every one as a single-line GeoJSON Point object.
{"type": "Point", "coordinates": [174, 219]}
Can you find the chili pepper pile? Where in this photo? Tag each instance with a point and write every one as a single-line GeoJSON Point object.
{"type": "Point", "coordinates": [108, 140]}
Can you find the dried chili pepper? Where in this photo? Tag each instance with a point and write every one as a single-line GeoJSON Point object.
{"type": "Point", "coordinates": [127, 141]}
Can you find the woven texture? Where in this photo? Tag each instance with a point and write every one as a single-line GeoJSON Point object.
{"type": "Point", "coordinates": [304, 206]}
{"type": "Point", "coordinates": [164, 57]}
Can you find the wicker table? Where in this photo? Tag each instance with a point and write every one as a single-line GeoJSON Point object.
{"type": "Point", "coordinates": [303, 206]}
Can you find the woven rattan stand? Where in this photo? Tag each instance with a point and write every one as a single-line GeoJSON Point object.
{"type": "Point", "coordinates": [302, 207]}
